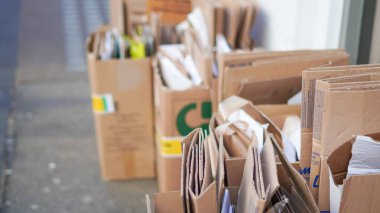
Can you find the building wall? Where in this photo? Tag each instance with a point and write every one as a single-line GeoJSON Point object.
{"type": "Point", "coordinates": [299, 24]}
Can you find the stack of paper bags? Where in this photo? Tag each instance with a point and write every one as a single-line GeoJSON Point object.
{"type": "Point", "coordinates": [199, 185]}
{"type": "Point", "coordinates": [232, 125]}
{"type": "Point", "coordinates": [346, 101]}
{"type": "Point", "coordinates": [270, 77]}
{"type": "Point", "coordinates": [250, 137]}
{"type": "Point", "coordinates": [217, 169]}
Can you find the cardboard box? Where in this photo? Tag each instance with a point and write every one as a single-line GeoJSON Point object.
{"type": "Point", "coordinates": [343, 106]}
{"type": "Point", "coordinates": [124, 134]}
{"type": "Point", "coordinates": [309, 78]}
{"type": "Point", "coordinates": [358, 193]}
{"type": "Point", "coordinates": [168, 161]}
{"type": "Point", "coordinates": [269, 77]}
{"type": "Point", "coordinates": [177, 113]}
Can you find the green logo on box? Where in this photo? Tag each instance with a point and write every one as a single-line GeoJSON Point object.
{"type": "Point", "coordinates": [183, 127]}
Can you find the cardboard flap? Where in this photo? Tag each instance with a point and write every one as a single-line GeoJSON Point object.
{"type": "Point", "coordinates": [250, 192]}
{"type": "Point", "coordinates": [206, 201]}
{"type": "Point", "coordinates": [273, 91]}
{"type": "Point", "coordinates": [361, 194]}
{"type": "Point", "coordinates": [298, 182]}
{"type": "Point", "coordinates": [234, 190]}
{"type": "Point", "coordinates": [168, 202]}
{"type": "Point", "coordinates": [340, 158]}
{"type": "Point", "coordinates": [269, 169]}
{"type": "Point", "coordinates": [237, 166]}
{"type": "Point", "coordinates": [338, 162]}
{"type": "Point", "coordinates": [234, 103]}
{"type": "Point", "coordinates": [277, 113]}
{"type": "Point", "coordinates": [272, 68]}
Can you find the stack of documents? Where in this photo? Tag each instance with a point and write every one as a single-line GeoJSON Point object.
{"type": "Point", "coordinates": [198, 186]}
{"type": "Point", "coordinates": [365, 156]}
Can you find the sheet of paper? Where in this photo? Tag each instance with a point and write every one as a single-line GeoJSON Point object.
{"type": "Point", "coordinates": [365, 156]}
{"type": "Point", "coordinates": [174, 79]}
{"type": "Point", "coordinates": [232, 209]}
{"type": "Point", "coordinates": [289, 149]}
{"type": "Point", "coordinates": [222, 45]}
{"type": "Point", "coordinates": [174, 51]}
{"type": "Point", "coordinates": [198, 21]}
{"type": "Point", "coordinates": [296, 99]}
{"type": "Point", "coordinates": [292, 130]}
{"type": "Point", "coordinates": [192, 70]}
{"type": "Point", "coordinates": [107, 46]}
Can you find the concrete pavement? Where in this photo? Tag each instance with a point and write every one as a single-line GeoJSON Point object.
{"type": "Point", "coordinates": [55, 166]}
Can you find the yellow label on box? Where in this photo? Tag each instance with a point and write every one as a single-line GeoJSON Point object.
{"type": "Point", "coordinates": [103, 103]}
{"type": "Point", "coordinates": [171, 146]}
{"type": "Point", "coordinates": [97, 104]}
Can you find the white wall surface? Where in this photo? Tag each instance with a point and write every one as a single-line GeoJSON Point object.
{"type": "Point", "coordinates": [299, 24]}
{"type": "Point", "coordinates": [375, 45]}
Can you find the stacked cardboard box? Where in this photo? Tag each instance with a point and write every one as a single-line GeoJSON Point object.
{"type": "Point", "coordinates": [309, 78]}
{"type": "Point", "coordinates": [177, 113]}
{"type": "Point", "coordinates": [345, 103]}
